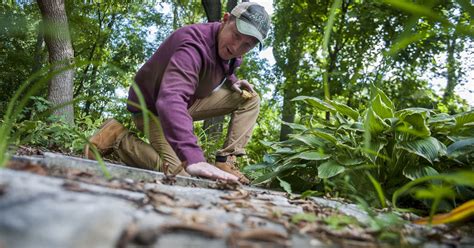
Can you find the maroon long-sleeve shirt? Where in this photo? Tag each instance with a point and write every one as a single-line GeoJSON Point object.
{"type": "Point", "coordinates": [185, 67]}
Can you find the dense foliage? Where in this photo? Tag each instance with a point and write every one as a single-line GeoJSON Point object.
{"type": "Point", "coordinates": [379, 144]}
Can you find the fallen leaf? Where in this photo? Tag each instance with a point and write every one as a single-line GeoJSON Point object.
{"type": "Point", "coordinates": [463, 212]}
{"type": "Point", "coordinates": [73, 186]}
{"type": "Point", "coordinates": [239, 203]}
{"type": "Point", "coordinates": [236, 239]}
{"type": "Point", "coordinates": [236, 195]}
{"type": "Point", "coordinates": [158, 198]}
{"type": "Point", "coordinates": [26, 166]}
{"type": "Point", "coordinates": [269, 217]}
{"type": "Point", "coordinates": [74, 173]}
{"type": "Point", "coordinates": [195, 218]}
{"type": "Point", "coordinates": [222, 184]}
{"type": "Point", "coordinates": [343, 234]}
{"type": "Point", "coordinates": [189, 204]}
{"type": "Point", "coordinates": [198, 228]}
{"type": "Point", "coordinates": [159, 192]}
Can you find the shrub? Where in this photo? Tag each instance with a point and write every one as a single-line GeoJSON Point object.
{"type": "Point", "coordinates": [369, 153]}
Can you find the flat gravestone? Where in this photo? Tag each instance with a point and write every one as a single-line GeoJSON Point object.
{"type": "Point", "coordinates": [67, 202]}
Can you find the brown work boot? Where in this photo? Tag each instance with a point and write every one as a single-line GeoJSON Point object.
{"type": "Point", "coordinates": [104, 138]}
{"type": "Point", "coordinates": [230, 166]}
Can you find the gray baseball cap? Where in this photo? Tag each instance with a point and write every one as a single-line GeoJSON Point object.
{"type": "Point", "coordinates": [252, 19]}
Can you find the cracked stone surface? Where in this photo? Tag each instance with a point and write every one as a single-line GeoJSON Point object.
{"type": "Point", "coordinates": [144, 208]}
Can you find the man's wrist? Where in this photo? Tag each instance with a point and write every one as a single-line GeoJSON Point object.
{"type": "Point", "coordinates": [192, 156]}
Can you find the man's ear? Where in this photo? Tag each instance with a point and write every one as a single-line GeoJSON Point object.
{"type": "Point", "coordinates": [226, 17]}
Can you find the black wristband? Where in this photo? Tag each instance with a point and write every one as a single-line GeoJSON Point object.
{"type": "Point", "coordinates": [221, 158]}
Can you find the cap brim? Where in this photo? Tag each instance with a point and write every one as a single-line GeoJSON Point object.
{"type": "Point", "coordinates": [249, 29]}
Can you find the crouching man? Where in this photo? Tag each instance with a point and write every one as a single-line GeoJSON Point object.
{"type": "Point", "coordinates": [191, 77]}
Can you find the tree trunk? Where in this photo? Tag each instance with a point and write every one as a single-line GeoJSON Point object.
{"type": "Point", "coordinates": [231, 4]}
{"type": "Point", "coordinates": [38, 58]}
{"type": "Point", "coordinates": [175, 17]}
{"type": "Point", "coordinates": [287, 114]}
{"type": "Point", "coordinates": [213, 126]}
{"type": "Point", "coordinates": [213, 9]}
{"type": "Point", "coordinates": [451, 70]}
{"type": "Point", "coordinates": [61, 55]}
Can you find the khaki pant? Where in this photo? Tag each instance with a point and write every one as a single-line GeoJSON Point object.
{"type": "Point", "coordinates": [135, 152]}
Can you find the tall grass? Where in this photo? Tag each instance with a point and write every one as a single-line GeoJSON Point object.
{"type": "Point", "coordinates": [38, 81]}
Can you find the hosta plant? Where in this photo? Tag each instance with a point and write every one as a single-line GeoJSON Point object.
{"type": "Point", "coordinates": [370, 152]}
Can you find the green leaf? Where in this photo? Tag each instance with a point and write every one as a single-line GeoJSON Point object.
{"type": "Point", "coordinates": [279, 170]}
{"type": "Point", "coordinates": [356, 126]}
{"type": "Point", "coordinates": [441, 118]}
{"type": "Point", "coordinates": [254, 167]}
{"type": "Point", "coordinates": [267, 143]}
{"type": "Point", "coordinates": [315, 102]}
{"type": "Point", "coordinates": [374, 124]}
{"type": "Point", "coordinates": [462, 178]}
{"type": "Point", "coordinates": [413, 172]}
{"type": "Point", "coordinates": [284, 150]}
{"type": "Point", "coordinates": [345, 110]}
{"type": "Point", "coordinates": [285, 185]}
{"type": "Point", "coordinates": [380, 108]}
{"type": "Point", "coordinates": [465, 178]}
{"type": "Point", "coordinates": [378, 189]}
{"type": "Point", "coordinates": [461, 148]}
{"type": "Point", "coordinates": [433, 192]}
{"type": "Point", "coordinates": [414, 121]}
{"type": "Point", "coordinates": [324, 135]}
{"type": "Point", "coordinates": [372, 149]}
{"type": "Point", "coordinates": [376, 91]}
{"type": "Point", "coordinates": [295, 126]}
{"type": "Point", "coordinates": [429, 148]}
{"type": "Point", "coordinates": [346, 161]}
{"type": "Point", "coordinates": [414, 8]}
{"type": "Point", "coordinates": [464, 119]}
{"type": "Point", "coordinates": [312, 156]}
{"type": "Point", "coordinates": [311, 193]}
{"type": "Point", "coordinates": [330, 169]}
{"type": "Point", "coordinates": [410, 111]}
{"type": "Point", "coordinates": [337, 222]}
{"type": "Point", "coordinates": [309, 140]}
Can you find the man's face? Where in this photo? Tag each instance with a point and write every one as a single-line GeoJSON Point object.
{"type": "Point", "coordinates": [231, 43]}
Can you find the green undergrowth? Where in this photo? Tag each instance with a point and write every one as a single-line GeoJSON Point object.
{"type": "Point", "coordinates": [372, 153]}
{"type": "Point", "coordinates": [50, 132]}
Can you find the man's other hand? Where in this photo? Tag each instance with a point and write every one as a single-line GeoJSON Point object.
{"type": "Point", "coordinates": [204, 169]}
{"type": "Point", "coordinates": [242, 85]}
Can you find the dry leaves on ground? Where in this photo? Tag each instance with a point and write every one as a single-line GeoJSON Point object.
{"type": "Point", "coordinates": [73, 186]}
{"type": "Point", "coordinates": [248, 237]}
{"type": "Point", "coordinates": [26, 166]}
{"type": "Point", "coordinates": [239, 194]}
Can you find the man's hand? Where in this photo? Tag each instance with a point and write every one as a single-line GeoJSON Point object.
{"type": "Point", "coordinates": [242, 85]}
{"type": "Point", "coordinates": [204, 169]}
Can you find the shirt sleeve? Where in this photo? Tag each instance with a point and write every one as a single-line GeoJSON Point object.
{"type": "Point", "coordinates": [178, 85]}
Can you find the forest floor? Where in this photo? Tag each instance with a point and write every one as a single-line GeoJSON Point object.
{"type": "Point", "coordinates": [53, 200]}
